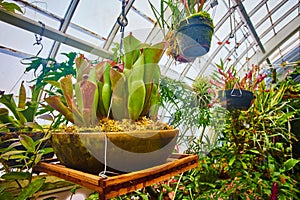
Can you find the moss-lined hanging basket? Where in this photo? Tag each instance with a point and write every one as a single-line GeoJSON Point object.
{"type": "Point", "coordinates": [194, 36]}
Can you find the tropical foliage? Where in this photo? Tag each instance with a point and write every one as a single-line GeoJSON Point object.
{"type": "Point", "coordinates": [127, 89]}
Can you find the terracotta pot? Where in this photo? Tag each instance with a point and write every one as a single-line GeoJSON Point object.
{"type": "Point", "coordinates": [194, 36]}
{"type": "Point", "coordinates": [235, 99]}
{"type": "Point", "coordinates": [125, 152]}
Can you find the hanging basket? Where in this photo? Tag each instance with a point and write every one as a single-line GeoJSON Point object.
{"type": "Point", "coordinates": [194, 36]}
{"type": "Point", "coordinates": [235, 99]}
{"type": "Point", "coordinates": [123, 151]}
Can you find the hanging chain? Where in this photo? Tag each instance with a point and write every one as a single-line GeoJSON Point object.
{"type": "Point", "coordinates": [38, 39]}
{"type": "Point", "coordinates": [230, 20]}
{"type": "Point", "coordinates": [122, 21]}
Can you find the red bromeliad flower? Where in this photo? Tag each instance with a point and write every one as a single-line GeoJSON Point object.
{"type": "Point", "coordinates": [274, 191]}
{"type": "Point", "coordinates": [229, 79]}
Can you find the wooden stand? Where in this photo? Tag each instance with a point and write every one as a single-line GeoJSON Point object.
{"type": "Point", "coordinates": [114, 186]}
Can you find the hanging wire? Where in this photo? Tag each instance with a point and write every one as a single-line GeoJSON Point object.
{"type": "Point", "coordinates": [103, 173]}
{"type": "Point", "coordinates": [122, 21]}
{"type": "Point", "coordinates": [230, 20]}
{"type": "Point", "coordinates": [38, 41]}
{"type": "Point", "coordinates": [213, 5]}
{"type": "Point", "coordinates": [38, 38]}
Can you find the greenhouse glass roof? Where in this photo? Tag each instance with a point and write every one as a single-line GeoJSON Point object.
{"type": "Point", "coordinates": [246, 32]}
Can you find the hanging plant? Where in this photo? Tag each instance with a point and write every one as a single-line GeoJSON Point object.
{"type": "Point", "coordinates": [190, 31]}
{"type": "Point", "coordinates": [236, 93]}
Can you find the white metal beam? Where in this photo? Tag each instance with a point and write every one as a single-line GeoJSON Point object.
{"type": "Point", "coordinates": [274, 43]}
{"type": "Point", "coordinates": [49, 32]}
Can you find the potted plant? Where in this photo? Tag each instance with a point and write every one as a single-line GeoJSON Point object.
{"type": "Point", "coordinates": [21, 121]}
{"type": "Point", "coordinates": [113, 107]}
{"type": "Point", "coordinates": [23, 143]}
{"type": "Point", "coordinates": [235, 93]}
{"type": "Point", "coordinates": [190, 31]}
{"type": "Point", "coordinates": [18, 115]}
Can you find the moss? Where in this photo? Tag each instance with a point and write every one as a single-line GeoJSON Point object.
{"type": "Point", "coordinates": [202, 14]}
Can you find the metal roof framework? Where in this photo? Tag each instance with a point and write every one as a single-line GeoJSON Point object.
{"type": "Point", "coordinates": [263, 31]}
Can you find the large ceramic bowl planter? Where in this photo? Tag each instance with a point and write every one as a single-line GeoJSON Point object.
{"type": "Point", "coordinates": [235, 99]}
{"type": "Point", "coordinates": [194, 36]}
{"type": "Point", "coordinates": [122, 151]}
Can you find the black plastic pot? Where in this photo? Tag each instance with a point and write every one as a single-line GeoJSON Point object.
{"type": "Point", "coordinates": [194, 36]}
{"type": "Point", "coordinates": [235, 99]}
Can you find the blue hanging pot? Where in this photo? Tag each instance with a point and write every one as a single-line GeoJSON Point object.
{"type": "Point", "coordinates": [194, 36]}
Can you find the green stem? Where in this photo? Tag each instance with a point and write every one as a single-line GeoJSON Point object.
{"type": "Point", "coordinates": [177, 185]}
{"type": "Point", "coordinates": [202, 133]}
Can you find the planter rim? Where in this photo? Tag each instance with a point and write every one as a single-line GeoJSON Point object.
{"type": "Point", "coordinates": [247, 91]}
{"type": "Point", "coordinates": [205, 22]}
{"type": "Point", "coordinates": [138, 132]}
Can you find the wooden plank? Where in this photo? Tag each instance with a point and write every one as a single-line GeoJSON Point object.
{"type": "Point", "coordinates": [87, 180]}
{"type": "Point", "coordinates": [117, 186]}
{"type": "Point", "coordinates": [121, 184]}
{"type": "Point", "coordinates": [150, 171]}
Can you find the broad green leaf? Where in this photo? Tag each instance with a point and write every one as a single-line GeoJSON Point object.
{"type": "Point", "coordinates": [16, 176]}
{"type": "Point", "coordinates": [22, 96]}
{"type": "Point", "coordinates": [73, 190]}
{"type": "Point", "coordinates": [31, 189]}
{"type": "Point", "coordinates": [6, 195]}
{"type": "Point", "coordinates": [15, 144]}
{"type": "Point", "coordinates": [82, 66]}
{"type": "Point", "coordinates": [2, 189]}
{"type": "Point", "coordinates": [232, 160]}
{"type": "Point", "coordinates": [30, 112]}
{"type": "Point", "coordinates": [132, 51]}
{"type": "Point", "coordinates": [89, 99]}
{"type": "Point", "coordinates": [9, 102]}
{"type": "Point", "coordinates": [153, 53]}
{"type": "Point", "coordinates": [106, 88]}
{"type": "Point", "coordinates": [18, 157]}
{"type": "Point", "coordinates": [46, 150]}
{"type": "Point", "coordinates": [290, 163]}
{"type": "Point", "coordinates": [244, 165]}
{"type": "Point", "coordinates": [10, 153]}
{"type": "Point", "coordinates": [254, 151]}
{"type": "Point", "coordinates": [56, 103]}
{"type": "Point", "coordinates": [119, 98]}
{"type": "Point", "coordinates": [11, 7]}
{"type": "Point", "coordinates": [54, 83]}
{"type": "Point", "coordinates": [45, 138]}
{"type": "Point", "coordinates": [4, 116]}
{"type": "Point", "coordinates": [38, 158]}
{"type": "Point", "coordinates": [27, 142]}
{"type": "Point", "coordinates": [46, 117]}
{"type": "Point", "coordinates": [33, 125]}
{"type": "Point", "coordinates": [67, 89]}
